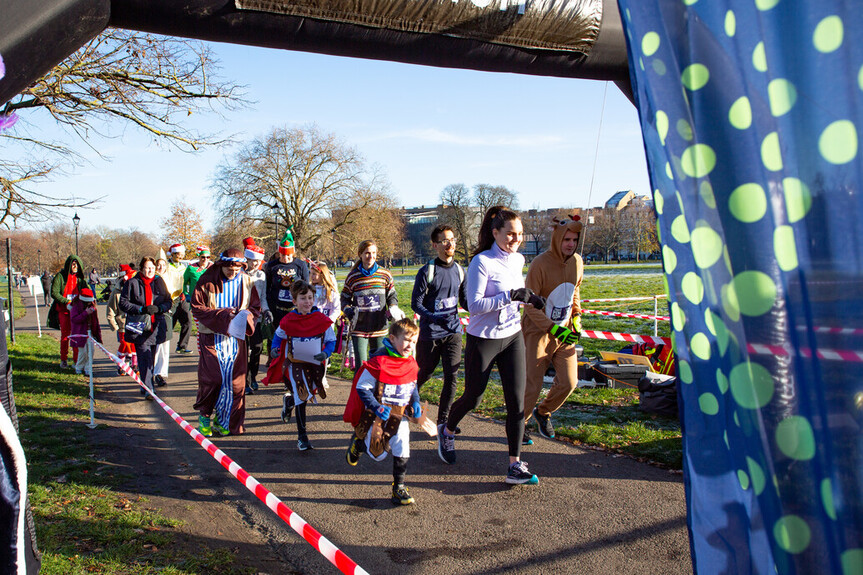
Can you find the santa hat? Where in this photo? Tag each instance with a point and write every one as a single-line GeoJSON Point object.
{"type": "Point", "coordinates": [177, 249]}
{"type": "Point", "coordinates": [127, 270]}
{"type": "Point", "coordinates": [202, 251]}
{"type": "Point", "coordinates": [286, 246]}
{"type": "Point", "coordinates": [86, 294]}
{"type": "Point", "coordinates": [252, 251]}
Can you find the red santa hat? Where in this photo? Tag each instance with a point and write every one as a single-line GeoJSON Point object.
{"type": "Point", "coordinates": [86, 294]}
{"type": "Point", "coordinates": [252, 251]}
{"type": "Point", "coordinates": [177, 249]}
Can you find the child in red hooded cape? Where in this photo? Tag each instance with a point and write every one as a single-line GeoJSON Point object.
{"type": "Point", "coordinates": [301, 345]}
{"type": "Point", "coordinates": [384, 393]}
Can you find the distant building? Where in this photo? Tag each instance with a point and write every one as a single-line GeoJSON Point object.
{"type": "Point", "coordinates": [419, 223]}
{"type": "Point", "coordinates": [620, 200]}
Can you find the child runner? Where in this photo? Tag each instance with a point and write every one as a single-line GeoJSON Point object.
{"type": "Point", "coordinates": [117, 320]}
{"type": "Point", "coordinates": [301, 345]}
{"type": "Point", "coordinates": [83, 316]}
{"type": "Point", "coordinates": [384, 392]}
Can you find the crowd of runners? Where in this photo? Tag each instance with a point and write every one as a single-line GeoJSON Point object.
{"type": "Point", "coordinates": [238, 301]}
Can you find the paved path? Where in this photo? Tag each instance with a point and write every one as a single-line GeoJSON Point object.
{"type": "Point", "coordinates": [592, 512]}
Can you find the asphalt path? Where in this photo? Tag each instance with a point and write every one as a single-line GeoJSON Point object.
{"type": "Point", "coordinates": [592, 512]}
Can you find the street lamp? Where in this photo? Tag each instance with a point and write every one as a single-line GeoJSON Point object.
{"type": "Point", "coordinates": [39, 261]}
{"type": "Point", "coordinates": [76, 220]}
{"type": "Point", "coordinates": [335, 263]}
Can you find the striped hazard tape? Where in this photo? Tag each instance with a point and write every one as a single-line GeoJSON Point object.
{"type": "Point", "coordinates": [335, 556]}
{"type": "Point", "coordinates": [656, 340]}
{"type": "Point", "coordinates": [621, 314]}
{"type": "Point", "coordinates": [641, 298]}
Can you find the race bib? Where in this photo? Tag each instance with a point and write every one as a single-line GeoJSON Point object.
{"type": "Point", "coordinates": [508, 315]}
{"type": "Point", "coordinates": [559, 314]}
{"type": "Point", "coordinates": [446, 304]}
{"type": "Point", "coordinates": [369, 302]}
{"type": "Point", "coordinates": [397, 394]}
{"type": "Point", "coordinates": [285, 296]}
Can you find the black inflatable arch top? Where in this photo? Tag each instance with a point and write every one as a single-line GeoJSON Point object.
{"type": "Point", "coordinates": [565, 38]}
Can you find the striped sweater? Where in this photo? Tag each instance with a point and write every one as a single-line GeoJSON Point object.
{"type": "Point", "coordinates": [371, 295]}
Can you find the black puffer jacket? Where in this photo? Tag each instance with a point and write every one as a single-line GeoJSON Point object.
{"type": "Point", "coordinates": [132, 299]}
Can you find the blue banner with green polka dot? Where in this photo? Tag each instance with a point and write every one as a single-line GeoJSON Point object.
{"type": "Point", "coordinates": [752, 112]}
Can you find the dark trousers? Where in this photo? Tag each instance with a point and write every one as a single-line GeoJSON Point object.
{"type": "Point", "coordinates": [400, 468]}
{"type": "Point", "coordinates": [183, 316]}
{"type": "Point", "coordinates": [447, 351]}
{"type": "Point", "coordinates": [256, 346]}
{"type": "Point", "coordinates": [146, 353]}
{"type": "Point", "coordinates": [365, 346]}
{"type": "Point", "coordinates": [480, 356]}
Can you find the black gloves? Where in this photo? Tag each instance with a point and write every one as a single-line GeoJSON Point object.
{"type": "Point", "coordinates": [349, 312]}
{"type": "Point", "coordinates": [150, 309]}
{"type": "Point", "coordinates": [267, 316]}
{"type": "Point", "coordinates": [525, 295]}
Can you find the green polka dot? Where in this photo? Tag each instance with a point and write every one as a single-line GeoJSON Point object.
{"type": "Point", "coordinates": [757, 475]}
{"type": "Point", "coordinates": [798, 199]}
{"type": "Point", "coordinates": [782, 95]}
{"type": "Point", "coordinates": [684, 129]}
{"type": "Point", "coordinates": [795, 438]}
{"type": "Point", "coordinates": [756, 292]}
{"type": "Point", "coordinates": [792, 533]}
{"type": "Point", "coordinates": [765, 4]}
{"type": "Point", "coordinates": [725, 439]}
{"type": "Point", "coordinates": [860, 78]}
{"type": "Point", "coordinates": [685, 371]}
{"type": "Point", "coordinates": [743, 479]}
{"type": "Point", "coordinates": [748, 203]}
{"type": "Point", "coordinates": [693, 287]}
{"type": "Point", "coordinates": [669, 259]}
{"type": "Point", "coordinates": [736, 419]}
{"type": "Point", "coordinates": [751, 385]}
{"type": "Point", "coordinates": [658, 233]}
{"type": "Point", "coordinates": [641, 63]}
{"type": "Point", "coordinates": [695, 76]}
{"type": "Point", "coordinates": [679, 230]}
{"type": "Point", "coordinates": [697, 161]}
{"type": "Point", "coordinates": [828, 34]}
{"type": "Point", "coordinates": [730, 24]}
{"type": "Point", "coordinates": [662, 125]}
{"type": "Point", "coordinates": [721, 381]}
{"type": "Point", "coordinates": [708, 321]}
{"type": "Point", "coordinates": [827, 499]}
{"type": "Point", "coordinates": [700, 346]}
{"type": "Point", "coordinates": [705, 190]}
{"type": "Point", "coordinates": [659, 67]}
{"type": "Point", "coordinates": [740, 113]}
{"type": "Point", "coordinates": [771, 154]}
{"type": "Point", "coordinates": [785, 248]}
{"type": "Point", "coordinates": [689, 2]}
{"type": "Point", "coordinates": [759, 58]}
{"type": "Point", "coordinates": [678, 318]}
{"type": "Point", "coordinates": [852, 562]}
{"type": "Point", "coordinates": [838, 142]}
{"type": "Point", "coordinates": [729, 302]}
{"type": "Point", "coordinates": [658, 202]}
{"type": "Point", "coordinates": [723, 336]}
{"type": "Point", "coordinates": [650, 43]}
{"type": "Point", "coordinates": [706, 247]}
{"type": "Point", "coordinates": [708, 404]}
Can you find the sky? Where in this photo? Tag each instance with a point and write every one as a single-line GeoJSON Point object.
{"type": "Point", "coordinates": [426, 127]}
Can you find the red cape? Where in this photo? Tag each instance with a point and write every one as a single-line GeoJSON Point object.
{"type": "Point", "coordinates": [387, 369]}
{"type": "Point", "coordinates": [297, 325]}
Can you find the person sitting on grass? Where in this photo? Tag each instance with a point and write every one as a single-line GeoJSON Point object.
{"type": "Point", "coordinates": [301, 345]}
{"type": "Point", "coordinates": [384, 392]}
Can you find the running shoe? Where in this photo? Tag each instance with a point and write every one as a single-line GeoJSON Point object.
{"type": "Point", "coordinates": [183, 350]}
{"type": "Point", "coordinates": [303, 443]}
{"type": "Point", "coordinates": [517, 474]}
{"type": "Point", "coordinates": [159, 381]}
{"type": "Point", "coordinates": [355, 449]}
{"type": "Point", "coordinates": [64, 364]}
{"type": "Point", "coordinates": [287, 407]}
{"type": "Point", "coordinates": [526, 439]}
{"type": "Point", "coordinates": [445, 445]}
{"type": "Point", "coordinates": [249, 390]}
{"type": "Point", "coordinates": [543, 423]}
{"type": "Point", "coordinates": [217, 427]}
{"type": "Point", "coordinates": [254, 385]}
{"type": "Point", "coordinates": [204, 426]}
{"type": "Point", "coordinates": [401, 495]}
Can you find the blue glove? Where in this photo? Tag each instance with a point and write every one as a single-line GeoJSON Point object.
{"type": "Point", "coordinates": [383, 412]}
{"type": "Point", "coordinates": [416, 408]}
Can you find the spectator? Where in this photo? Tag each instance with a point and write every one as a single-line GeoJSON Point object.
{"type": "Point", "coordinates": [67, 284]}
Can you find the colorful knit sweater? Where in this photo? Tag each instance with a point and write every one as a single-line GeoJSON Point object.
{"type": "Point", "coordinates": [372, 295]}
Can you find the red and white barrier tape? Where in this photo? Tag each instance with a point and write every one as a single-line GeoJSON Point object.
{"type": "Point", "coordinates": [642, 298]}
{"type": "Point", "coordinates": [625, 337]}
{"type": "Point", "coordinates": [620, 314]}
{"type": "Point", "coordinates": [820, 353]}
{"type": "Point", "coordinates": [335, 556]}
{"type": "Point", "coordinates": [833, 330]}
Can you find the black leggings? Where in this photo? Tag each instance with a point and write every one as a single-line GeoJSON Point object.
{"type": "Point", "coordinates": [479, 357]}
{"type": "Point", "coordinates": [400, 467]}
{"type": "Point", "coordinates": [446, 350]}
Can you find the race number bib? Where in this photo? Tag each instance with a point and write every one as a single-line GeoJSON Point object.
{"type": "Point", "coordinates": [397, 394]}
{"type": "Point", "coordinates": [558, 314]}
{"type": "Point", "coordinates": [508, 315]}
{"type": "Point", "coordinates": [369, 302]}
{"type": "Point", "coordinates": [446, 304]}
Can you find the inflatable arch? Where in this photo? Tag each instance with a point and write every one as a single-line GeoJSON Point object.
{"type": "Point", "coordinates": [751, 113]}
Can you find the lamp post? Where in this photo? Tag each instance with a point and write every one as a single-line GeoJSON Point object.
{"type": "Point", "coordinates": [76, 220]}
{"type": "Point", "coordinates": [335, 262]}
{"type": "Point", "coordinates": [39, 261]}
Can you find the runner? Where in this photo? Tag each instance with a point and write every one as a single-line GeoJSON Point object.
{"type": "Point", "coordinates": [181, 313]}
{"type": "Point", "coordinates": [281, 271]}
{"type": "Point", "coordinates": [255, 259]}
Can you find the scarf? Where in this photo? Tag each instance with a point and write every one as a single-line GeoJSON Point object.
{"type": "Point", "coordinates": [370, 271]}
{"type": "Point", "coordinates": [148, 295]}
{"type": "Point", "coordinates": [71, 286]}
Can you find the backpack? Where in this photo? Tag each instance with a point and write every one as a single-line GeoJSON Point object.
{"type": "Point", "coordinates": [430, 269]}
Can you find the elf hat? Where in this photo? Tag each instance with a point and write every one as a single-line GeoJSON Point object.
{"type": "Point", "coordinates": [252, 251]}
{"type": "Point", "coordinates": [86, 294]}
{"type": "Point", "coordinates": [286, 246]}
{"type": "Point", "coordinates": [202, 251]}
{"type": "Point", "coordinates": [177, 249]}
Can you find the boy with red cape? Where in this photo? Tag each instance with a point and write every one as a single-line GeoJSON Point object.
{"type": "Point", "coordinates": [384, 393]}
{"type": "Point", "coordinates": [302, 344]}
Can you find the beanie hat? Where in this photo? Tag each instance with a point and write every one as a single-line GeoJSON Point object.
{"type": "Point", "coordinates": [286, 245]}
{"type": "Point", "coordinates": [202, 251]}
{"type": "Point", "coordinates": [86, 294]}
{"type": "Point", "coordinates": [177, 249]}
{"type": "Point", "coordinates": [252, 251]}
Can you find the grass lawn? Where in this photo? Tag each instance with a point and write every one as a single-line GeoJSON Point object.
{"type": "Point", "coordinates": [82, 524]}
{"type": "Point", "coordinates": [599, 417]}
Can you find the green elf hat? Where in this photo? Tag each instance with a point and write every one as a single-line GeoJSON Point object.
{"type": "Point", "coordinates": [286, 245]}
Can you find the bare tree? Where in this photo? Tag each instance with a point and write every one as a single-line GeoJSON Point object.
{"type": "Point", "coordinates": [486, 196]}
{"type": "Point", "coordinates": [118, 79]}
{"type": "Point", "coordinates": [458, 211]}
{"type": "Point", "coordinates": [306, 177]}
{"type": "Point", "coordinates": [639, 230]}
{"type": "Point", "coordinates": [606, 234]}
